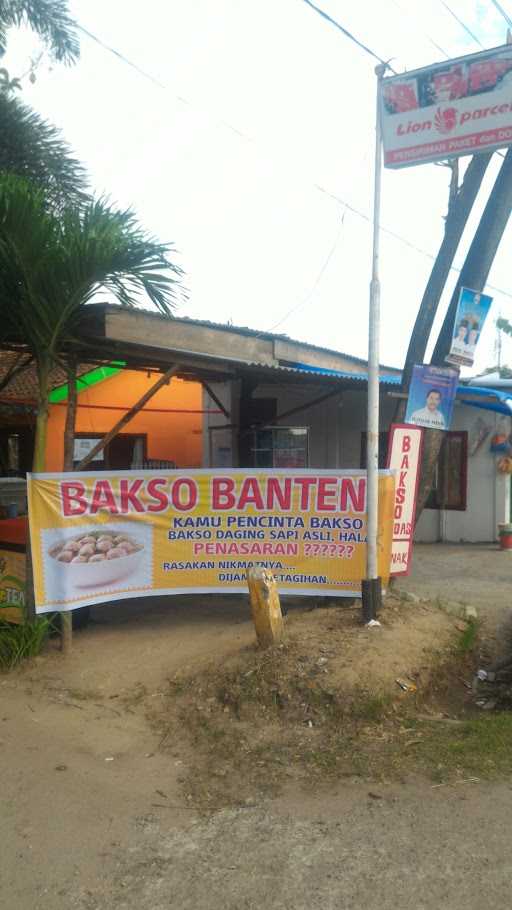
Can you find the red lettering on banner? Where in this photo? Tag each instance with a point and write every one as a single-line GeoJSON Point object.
{"type": "Point", "coordinates": [161, 501]}
{"type": "Point", "coordinates": [406, 444]}
{"type": "Point", "coordinates": [191, 502]}
{"type": "Point", "coordinates": [250, 494]}
{"type": "Point", "coordinates": [400, 495]}
{"type": "Point", "coordinates": [103, 498]}
{"type": "Point", "coordinates": [73, 493]}
{"type": "Point", "coordinates": [276, 494]}
{"type": "Point", "coordinates": [405, 462]}
{"type": "Point", "coordinates": [305, 484]}
{"type": "Point", "coordinates": [128, 492]}
{"type": "Point", "coordinates": [326, 488]}
{"type": "Point", "coordinates": [223, 495]}
{"type": "Point", "coordinates": [356, 495]}
{"type": "Point", "coordinates": [403, 479]}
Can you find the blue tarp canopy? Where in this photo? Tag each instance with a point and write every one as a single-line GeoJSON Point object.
{"type": "Point", "coordinates": [489, 399]}
{"type": "Point", "coordinates": [498, 400]}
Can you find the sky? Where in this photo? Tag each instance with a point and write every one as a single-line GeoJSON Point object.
{"type": "Point", "coordinates": [257, 130]}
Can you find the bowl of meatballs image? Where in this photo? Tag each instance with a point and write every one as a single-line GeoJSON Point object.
{"type": "Point", "coordinates": [97, 558]}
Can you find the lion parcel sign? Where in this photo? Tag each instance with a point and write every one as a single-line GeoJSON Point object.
{"type": "Point", "coordinates": [107, 536]}
{"type": "Point", "coordinates": [454, 108]}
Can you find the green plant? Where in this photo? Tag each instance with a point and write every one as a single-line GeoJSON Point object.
{"type": "Point", "coordinates": [49, 19]}
{"type": "Point", "coordinates": [52, 265]}
{"type": "Point", "coordinates": [19, 641]}
{"type": "Point", "coordinates": [468, 639]}
{"type": "Point", "coordinates": [34, 149]}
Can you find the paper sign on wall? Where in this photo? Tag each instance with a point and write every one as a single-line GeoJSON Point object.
{"type": "Point", "coordinates": [82, 447]}
{"type": "Point", "coordinates": [431, 397]}
{"type": "Point", "coordinates": [404, 457]}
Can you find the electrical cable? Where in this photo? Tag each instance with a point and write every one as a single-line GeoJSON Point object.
{"type": "Point", "coordinates": [503, 12]}
{"type": "Point", "coordinates": [120, 56]}
{"type": "Point", "coordinates": [316, 282]}
{"type": "Point", "coordinates": [244, 136]}
{"type": "Point", "coordinates": [462, 24]}
{"type": "Point", "coordinates": [421, 32]}
{"type": "Point", "coordinates": [348, 34]}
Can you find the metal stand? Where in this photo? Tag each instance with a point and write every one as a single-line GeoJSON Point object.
{"type": "Point", "coordinates": [372, 598]}
{"type": "Point", "coordinates": [371, 587]}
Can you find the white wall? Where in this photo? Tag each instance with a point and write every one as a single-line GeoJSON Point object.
{"type": "Point", "coordinates": [218, 445]}
{"type": "Point", "coordinates": [335, 425]}
{"type": "Point", "coordinates": [488, 492]}
{"type": "Point", "coordinates": [335, 429]}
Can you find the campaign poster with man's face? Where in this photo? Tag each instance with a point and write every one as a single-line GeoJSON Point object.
{"type": "Point", "coordinates": [472, 310]}
{"type": "Point", "coordinates": [431, 397]}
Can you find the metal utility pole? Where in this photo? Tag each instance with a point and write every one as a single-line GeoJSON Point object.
{"type": "Point", "coordinates": [372, 585]}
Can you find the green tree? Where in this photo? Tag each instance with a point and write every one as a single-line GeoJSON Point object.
{"type": "Point", "coordinates": [32, 148]}
{"type": "Point", "coordinates": [49, 19]}
{"type": "Point", "coordinates": [53, 264]}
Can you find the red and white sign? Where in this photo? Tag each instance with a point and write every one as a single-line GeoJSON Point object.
{"type": "Point", "coordinates": [454, 108]}
{"type": "Point", "coordinates": [404, 456]}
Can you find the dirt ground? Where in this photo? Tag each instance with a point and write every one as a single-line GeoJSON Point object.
{"type": "Point", "coordinates": [478, 574]}
{"type": "Point", "coordinates": [94, 815]}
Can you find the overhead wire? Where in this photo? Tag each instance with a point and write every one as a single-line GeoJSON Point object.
{"type": "Point", "coordinates": [316, 282]}
{"type": "Point", "coordinates": [348, 34]}
{"type": "Point", "coordinates": [421, 31]}
{"type": "Point", "coordinates": [462, 24]}
{"type": "Point", "coordinates": [317, 186]}
{"type": "Point", "coordinates": [503, 12]}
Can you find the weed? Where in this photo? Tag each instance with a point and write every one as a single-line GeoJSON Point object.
{"type": "Point", "coordinates": [19, 641]}
{"type": "Point", "coordinates": [370, 707]}
{"type": "Point", "coordinates": [468, 639]}
{"type": "Point", "coordinates": [481, 746]}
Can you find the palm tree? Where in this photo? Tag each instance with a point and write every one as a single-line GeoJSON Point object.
{"type": "Point", "coordinates": [53, 264]}
{"type": "Point", "coordinates": [31, 147]}
{"type": "Point", "coordinates": [50, 20]}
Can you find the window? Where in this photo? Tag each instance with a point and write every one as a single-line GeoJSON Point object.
{"type": "Point", "coordinates": [449, 490]}
{"type": "Point", "coordinates": [280, 447]}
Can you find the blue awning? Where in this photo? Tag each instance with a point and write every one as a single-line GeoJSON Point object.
{"type": "Point", "coordinates": [500, 403]}
{"type": "Point", "coordinates": [497, 400]}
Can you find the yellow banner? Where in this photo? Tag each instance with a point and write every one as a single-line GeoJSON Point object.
{"type": "Point", "coordinates": [12, 585]}
{"type": "Point", "coordinates": [107, 536]}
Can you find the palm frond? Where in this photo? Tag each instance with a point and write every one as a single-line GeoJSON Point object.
{"type": "Point", "coordinates": [50, 20]}
{"type": "Point", "coordinates": [53, 264]}
{"type": "Point", "coordinates": [31, 147]}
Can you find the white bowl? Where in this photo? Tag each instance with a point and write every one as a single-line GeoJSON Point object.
{"type": "Point", "coordinates": [94, 574]}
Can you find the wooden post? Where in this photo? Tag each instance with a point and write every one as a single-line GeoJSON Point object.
{"type": "Point", "coordinates": [128, 416]}
{"type": "Point", "coordinates": [265, 606]}
{"type": "Point", "coordinates": [66, 632]}
{"type": "Point", "coordinates": [66, 619]}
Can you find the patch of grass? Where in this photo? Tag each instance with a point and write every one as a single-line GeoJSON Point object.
{"type": "Point", "coordinates": [269, 716]}
{"type": "Point", "coordinates": [23, 640]}
{"type": "Point", "coordinates": [468, 639]}
{"type": "Point", "coordinates": [370, 707]}
{"type": "Point", "coordinates": [481, 747]}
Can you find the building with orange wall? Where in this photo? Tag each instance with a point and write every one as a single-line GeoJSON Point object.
{"type": "Point", "coordinates": [167, 432]}
{"type": "Point", "coordinates": [168, 429]}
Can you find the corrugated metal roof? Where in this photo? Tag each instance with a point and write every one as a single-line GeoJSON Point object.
{"type": "Point", "coordinates": [385, 378]}
{"type": "Point", "coordinates": [229, 327]}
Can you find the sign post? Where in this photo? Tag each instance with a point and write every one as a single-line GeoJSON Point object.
{"type": "Point", "coordinates": [372, 586]}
